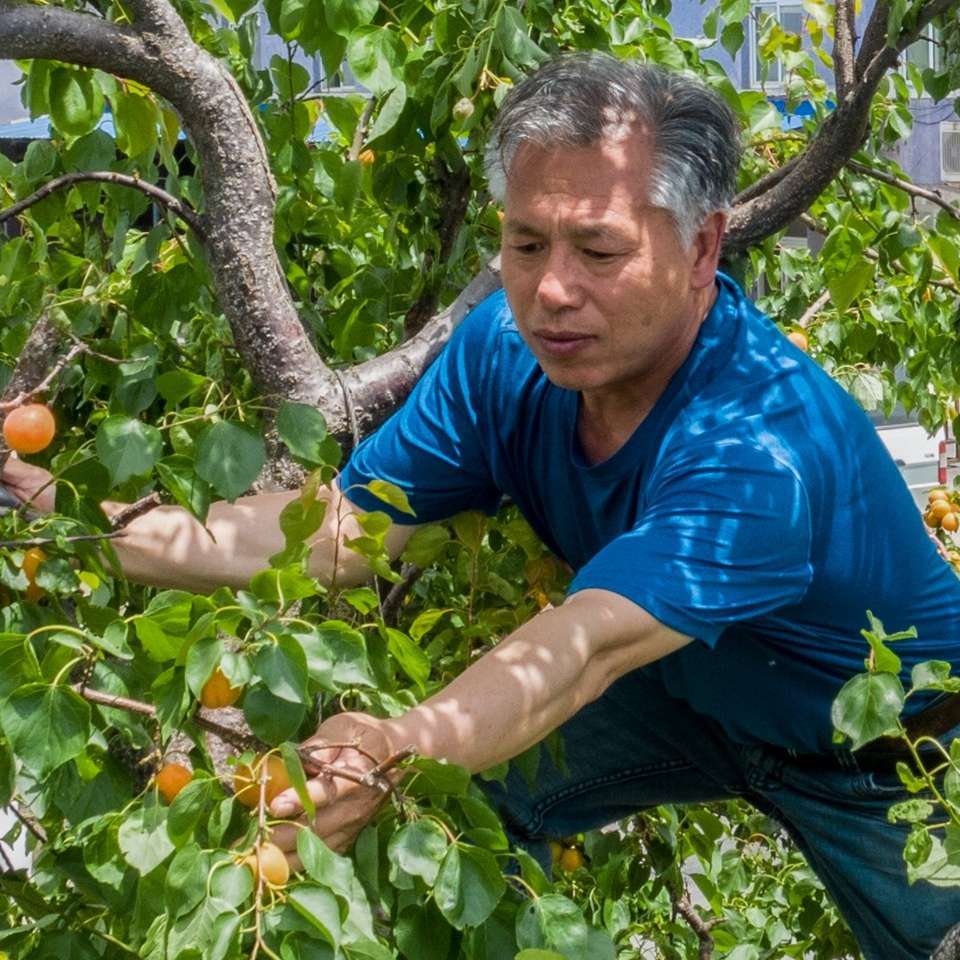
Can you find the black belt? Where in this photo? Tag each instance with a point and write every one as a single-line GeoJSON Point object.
{"type": "Point", "coordinates": [883, 754]}
{"type": "Point", "coordinates": [933, 721]}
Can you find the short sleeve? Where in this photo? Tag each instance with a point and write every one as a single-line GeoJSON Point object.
{"type": "Point", "coordinates": [432, 448]}
{"type": "Point", "coordinates": [724, 538]}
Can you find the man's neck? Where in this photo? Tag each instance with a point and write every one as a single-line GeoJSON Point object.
{"type": "Point", "coordinates": [608, 417]}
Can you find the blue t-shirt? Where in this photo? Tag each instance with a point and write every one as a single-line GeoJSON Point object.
{"type": "Point", "coordinates": [754, 509]}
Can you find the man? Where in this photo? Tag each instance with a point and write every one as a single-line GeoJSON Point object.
{"type": "Point", "coordinates": [728, 510]}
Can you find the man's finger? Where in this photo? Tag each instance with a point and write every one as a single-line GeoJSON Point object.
{"type": "Point", "coordinates": [322, 791]}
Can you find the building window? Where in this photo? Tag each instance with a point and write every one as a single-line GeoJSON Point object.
{"type": "Point", "coordinates": [925, 53]}
{"type": "Point", "coordinates": [765, 20]}
{"type": "Point", "coordinates": [341, 82]}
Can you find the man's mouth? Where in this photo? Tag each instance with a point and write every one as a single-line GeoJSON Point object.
{"type": "Point", "coordinates": [559, 343]}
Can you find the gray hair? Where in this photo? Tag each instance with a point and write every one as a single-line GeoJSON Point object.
{"type": "Point", "coordinates": [580, 99]}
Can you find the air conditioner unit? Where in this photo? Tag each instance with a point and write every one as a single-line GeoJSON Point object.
{"type": "Point", "coordinates": [950, 151]}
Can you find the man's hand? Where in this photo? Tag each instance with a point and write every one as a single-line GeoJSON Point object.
{"type": "Point", "coordinates": [343, 807]}
{"type": "Point", "coordinates": [29, 483]}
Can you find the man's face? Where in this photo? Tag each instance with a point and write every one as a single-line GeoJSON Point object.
{"type": "Point", "coordinates": [599, 284]}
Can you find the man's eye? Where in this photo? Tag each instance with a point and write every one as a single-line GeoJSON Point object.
{"type": "Point", "coordinates": [599, 254]}
{"type": "Point", "coordinates": [528, 248]}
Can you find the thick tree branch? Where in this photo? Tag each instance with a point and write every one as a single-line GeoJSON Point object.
{"type": "Point", "coordinates": [184, 211]}
{"type": "Point", "coordinates": [874, 37]}
{"type": "Point", "coordinates": [838, 139]}
{"type": "Point", "coordinates": [844, 65]}
{"type": "Point", "coordinates": [238, 188]}
{"type": "Point", "coordinates": [379, 385]}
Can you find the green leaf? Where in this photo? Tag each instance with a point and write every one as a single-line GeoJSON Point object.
{"type": "Point", "coordinates": [868, 706]}
{"type": "Point", "coordinates": [303, 429]}
{"type": "Point", "coordinates": [422, 933]}
{"type": "Point", "coordinates": [76, 102]}
{"type": "Point", "coordinates": [319, 906]}
{"type": "Point", "coordinates": [425, 622]}
{"type": "Point", "coordinates": [910, 811]}
{"type": "Point", "coordinates": [426, 544]}
{"type": "Point", "coordinates": [8, 772]}
{"type": "Point", "coordinates": [186, 880]}
{"type": "Point", "coordinates": [289, 77]}
{"type": "Point", "coordinates": [336, 656]}
{"type": "Point", "coordinates": [176, 385]}
{"type": "Point", "coordinates": [844, 290]}
{"type": "Point", "coordinates": [177, 475]}
{"type": "Point", "coordinates": [344, 16]}
{"type": "Point", "coordinates": [391, 494]}
{"type": "Point", "coordinates": [195, 934]}
{"type": "Point", "coordinates": [376, 56]}
{"type": "Point", "coordinates": [388, 114]}
{"type": "Point", "coordinates": [46, 726]}
{"type": "Point", "coordinates": [188, 808]}
{"type": "Point", "coordinates": [127, 447]}
{"type": "Point", "coordinates": [230, 457]}
{"type": "Point", "coordinates": [470, 528]}
{"type": "Point", "coordinates": [437, 778]}
{"type": "Point", "coordinates": [931, 674]}
{"type": "Point", "coordinates": [469, 886]}
{"type": "Point", "coordinates": [298, 780]}
{"type": "Point", "coordinates": [143, 838]}
{"type": "Point", "coordinates": [553, 922]}
{"type": "Point", "coordinates": [413, 661]}
{"type": "Point", "coordinates": [419, 848]}
{"type": "Point", "coordinates": [39, 161]}
{"type": "Point", "coordinates": [534, 954]}
{"type": "Point", "coordinates": [135, 118]}
{"type": "Point", "coordinates": [732, 37]}
{"type": "Point", "coordinates": [282, 666]}
{"type": "Point", "coordinates": [272, 718]}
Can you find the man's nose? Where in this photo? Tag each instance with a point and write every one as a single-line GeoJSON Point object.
{"type": "Point", "coordinates": [558, 286]}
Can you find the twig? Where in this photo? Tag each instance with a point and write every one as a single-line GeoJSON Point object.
{"type": "Point", "coordinates": [360, 134]}
{"type": "Point", "coordinates": [375, 777]}
{"type": "Point", "coordinates": [137, 509]}
{"type": "Point", "coordinates": [235, 738]}
{"type": "Point", "coordinates": [29, 822]}
{"type": "Point", "coordinates": [700, 926]}
{"type": "Point", "coordinates": [43, 541]}
{"type": "Point", "coordinates": [934, 196]}
{"type": "Point", "coordinates": [182, 210]}
{"type": "Point", "coordinates": [25, 396]}
{"type": "Point", "coordinates": [410, 573]}
{"type": "Point", "coordinates": [814, 308]}
{"type": "Point", "coordinates": [7, 861]}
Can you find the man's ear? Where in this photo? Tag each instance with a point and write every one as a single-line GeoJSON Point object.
{"type": "Point", "coordinates": [705, 250]}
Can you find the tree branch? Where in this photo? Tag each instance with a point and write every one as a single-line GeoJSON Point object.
{"type": "Point", "coordinates": [360, 134]}
{"type": "Point", "coordinates": [699, 926]}
{"type": "Point", "coordinates": [238, 188]}
{"type": "Point", "coordinates": [874, 37]}
{"type": "Point", "coordinates": [934, 196]}
{"type": "Point", "coordinates": [178, 207]}
{"type": "Point", "coordinates": [379, 385]}
{"type": "Point", "coordinates": [838, 138]}
{"type": "Point", "coordinates": [844, 65]}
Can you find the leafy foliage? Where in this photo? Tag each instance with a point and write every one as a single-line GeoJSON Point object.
{"type": "Point", "coordinates": [161, 402]}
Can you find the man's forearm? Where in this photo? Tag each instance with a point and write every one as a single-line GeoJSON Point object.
{"type": "Point", "coordinates": [534, 680]}
{"type": "Point", "coordinates": [167, 547]}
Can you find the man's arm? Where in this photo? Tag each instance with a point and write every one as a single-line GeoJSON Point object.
{"type": "Point", "coordinates": [167, 547]}
{"type": "Point", "coordinates": [510, 699]}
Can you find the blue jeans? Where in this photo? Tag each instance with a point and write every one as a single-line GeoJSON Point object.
{"type": "Point", "coordinates": [637, 747]}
